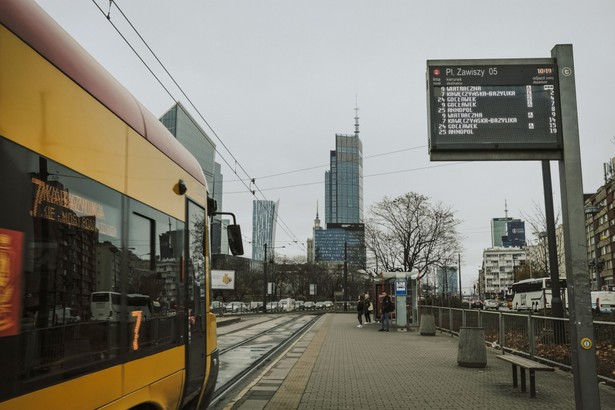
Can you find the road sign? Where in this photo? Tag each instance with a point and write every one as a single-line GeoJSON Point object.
{"type": "Point", "coordinates": [400, 288]}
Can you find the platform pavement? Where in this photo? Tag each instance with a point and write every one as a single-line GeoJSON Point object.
{"type": "Point", "coordinates": [336, 365]}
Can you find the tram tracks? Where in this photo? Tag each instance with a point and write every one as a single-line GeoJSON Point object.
{"type": "Point", "coordinates": [242, 358]}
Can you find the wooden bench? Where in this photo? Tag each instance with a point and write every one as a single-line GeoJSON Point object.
{"type": "Point", "coordinates": [523, 364]}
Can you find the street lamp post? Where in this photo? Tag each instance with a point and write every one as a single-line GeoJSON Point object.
{"type": "Point", "coordinates": [593, 210]}
{"type": "Point", "coordinates": [345, 276]}
{"type": "Point", "coordinates": [557, 306]}
{"type": "Point", "coordinates": [542, 237]}
{"type": "Point", "coordinates": [265, 282]}
{"type": "Point", "coordinates": [265, 269]}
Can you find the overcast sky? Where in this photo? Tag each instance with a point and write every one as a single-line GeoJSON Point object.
{"type": "Point", "coordinates": [277, 79]}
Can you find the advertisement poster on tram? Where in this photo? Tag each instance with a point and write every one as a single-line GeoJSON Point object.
{"type": "Point", "coordinates": [11, 243]}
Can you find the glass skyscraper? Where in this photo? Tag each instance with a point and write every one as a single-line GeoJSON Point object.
{"type": "Point", "coordinates": [344, 236]}
{"type": "Point", "coordinates": [264, 221]}
{"type": "Point", "coordinates": [185, 128]}
{"type": "Point", "coordinates": [447, 280]}
{"type": "Point", "coordinates": [507, 232]}
{"type": "Point", "coordinates": [344, 181]}
{"type": "Point", "coordinates": [341, 242]}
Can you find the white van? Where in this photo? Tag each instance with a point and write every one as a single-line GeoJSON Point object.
{"type": "Point", "coordinates": [604, 300]}
{"type": "Point", "coordinates": [286, 305]}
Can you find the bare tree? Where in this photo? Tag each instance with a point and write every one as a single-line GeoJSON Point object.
{"type": "Point", "coordinates": [539, 254]}
{"type": "Point", "coordinates": [408, 232]}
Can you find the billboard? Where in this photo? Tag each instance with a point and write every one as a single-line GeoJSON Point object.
{"type": "Point", "coordinates": [494, 109]}
{"type": "Point", "coordinates": [223, 279]}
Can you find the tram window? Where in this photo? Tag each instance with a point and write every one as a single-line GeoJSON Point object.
{"type": "Point", "coordinates": [72, 228]}
{"type": "Point", "coordinates": [196, 262]}
{"type": "Point", "coordinates": [152, 282]}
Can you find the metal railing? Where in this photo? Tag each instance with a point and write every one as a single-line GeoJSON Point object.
{"type": "Point", "coordinates": [541, 338]}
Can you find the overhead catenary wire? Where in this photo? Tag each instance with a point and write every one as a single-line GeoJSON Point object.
{"type": "Point", "coordinates": [326, 165]}
{"type": "Point", "coordinates": [113, 2]}
{"type": "Point", "coordinates": [252, 187]}
{"type": "Point", "coordinates": [364, 176]}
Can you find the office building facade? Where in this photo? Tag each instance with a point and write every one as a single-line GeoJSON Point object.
{"type": "Point", "coordinates": [447, 281]}
{"type": "Point", "coordinates": [499, 268]}
{"type": "Point", "coordinates": [264, 221]}
{"type": "Point", "coordinates": [341, 243]}
{"type": "Point", "coordinates": [344, 181]}
{"type": "Point", "coordinates": [507, 232]}
{"type": "Point", "coordinates": [185, 128]}
{"type": "Point", "coordinates": [344, 236]}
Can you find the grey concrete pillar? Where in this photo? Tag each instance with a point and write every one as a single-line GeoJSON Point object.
{"type": "Point", "coordinates": [472, 351]}
{"type": "Point", "coordinates": [428, 325]}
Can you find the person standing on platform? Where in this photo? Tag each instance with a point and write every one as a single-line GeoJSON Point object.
{"type": "Point", "coordinates": [360, 310]}
{"type": "Point", "coordinates": [368, 306]}
{"type": "Point", "coordinates": [384, 312]}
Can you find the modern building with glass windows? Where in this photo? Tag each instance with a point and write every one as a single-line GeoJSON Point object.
{"type": "Point", "coordinates": [507, 232]}
{"type": "Point", "coordinates": [447, 281]}
{"type": "Point", "coordinates": [219, 241]}
{"type": "Point", "coordinates": [339, 243]}
{"type": "Point", "coordinates": [344, 181]}
{"type": "Point", "coordinates": [264, 221]}
{"type": "Point", "coordinates": [185, 128]}
{"type": "Point", "coordinates": [344, 236]}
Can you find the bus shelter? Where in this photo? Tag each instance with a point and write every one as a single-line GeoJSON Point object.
{"type": "Point", "coordinates": [402, 287]}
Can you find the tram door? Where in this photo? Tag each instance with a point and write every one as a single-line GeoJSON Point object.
{"type": "Point", "coordinates": [195, 288]}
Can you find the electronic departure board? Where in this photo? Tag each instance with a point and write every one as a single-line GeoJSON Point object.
{"type": "Point", "coordinates": [489, 106]}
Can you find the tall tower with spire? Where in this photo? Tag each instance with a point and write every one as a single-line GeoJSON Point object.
{"type": "Point", "coordinates": [344, 236]}
{"type": "Point", "coordinates": [356, 121]}
{"type": "Point", "coordinates": [344, 179]}
{"type": "Point", "coordinates": [507, 231]}
{"type": "Point", "coordinates": [310, 241]}
{"type": "Point", "coordinates": [317, 220]}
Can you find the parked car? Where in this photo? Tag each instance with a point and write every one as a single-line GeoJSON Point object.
{"type": "Point", "coordinates": [217, 307]}
{"type": "Point", "coordinates": [272, 306]}
{"type": "Point", "coordinates": [286, 304]}
{"type": "Point", "coordinates": [476, 304]}
{"type": "Point", "coordinates": [256, 306]}
{"type": "Point", "coordinates": [236, 307]}
{"type": "Point", "coordinates": [491, 304]}
{"type": "Point", "coordinates": [320, 305]}
{"type": "Point", "coordinates": [309, 305]}
{"type": "Point", "coordinates": [299, 305]}
{"type": "Point", "coordinates": [62, 316]}
{"type": "Point", "coordinates": [328, 304]}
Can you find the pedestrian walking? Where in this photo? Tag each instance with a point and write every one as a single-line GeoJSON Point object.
{"type": "Point", "coordinates": [360, 310]}
{"type": "Point", "coordinates": [368, 307]}
{"type": "Point", "coordinates": [384, 312]}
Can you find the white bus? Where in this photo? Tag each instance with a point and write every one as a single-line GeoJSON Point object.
{"type": "Point", "coordinates": [107, 305]}
{"type": "Point", "coordinates": [535, 294]}
{"type": "Point", "coordinates": [603, 300]}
